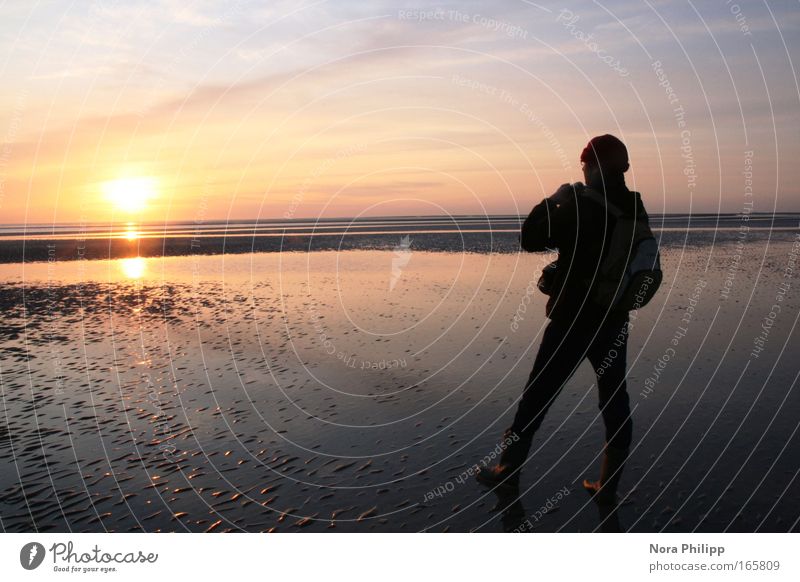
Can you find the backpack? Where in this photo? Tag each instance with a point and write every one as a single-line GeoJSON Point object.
{"type": "Point", "coordinates": [630, 270]}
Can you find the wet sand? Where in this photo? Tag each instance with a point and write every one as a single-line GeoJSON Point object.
{"type": "Point", "coordinates": [327, 391]}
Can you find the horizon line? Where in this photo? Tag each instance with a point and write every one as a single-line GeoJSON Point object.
{"type": "Point", "coordinates": [359, 219]}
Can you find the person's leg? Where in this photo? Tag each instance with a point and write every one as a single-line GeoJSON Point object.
{"type": "Point", "coordinates": [608, 356]}
{"type": "Point", "coordinates": [562, 350]}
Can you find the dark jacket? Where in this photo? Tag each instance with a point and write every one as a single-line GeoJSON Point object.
{"type": "Point", "coordinates": [580, 229]}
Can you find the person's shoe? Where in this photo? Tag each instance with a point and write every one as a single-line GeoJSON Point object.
{"type": "Point", "coordinates": [503, 476]}
{"type": "Point", "coordinates": [604, 491]}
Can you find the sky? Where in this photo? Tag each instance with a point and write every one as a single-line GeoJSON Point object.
{"type": "Point", "coordinates": [198, 111]}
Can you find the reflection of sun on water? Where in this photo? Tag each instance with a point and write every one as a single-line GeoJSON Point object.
{"type": "Point", "coordinates": [133, 268]}
{"type": "Point", "coordinates": [130, 232]}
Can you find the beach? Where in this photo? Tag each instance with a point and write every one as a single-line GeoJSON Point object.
{"type": "Point", "coordinates": [355, 390]}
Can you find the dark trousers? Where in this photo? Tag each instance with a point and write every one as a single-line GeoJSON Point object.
{"type": "Point", "coordinates": [564, 346]}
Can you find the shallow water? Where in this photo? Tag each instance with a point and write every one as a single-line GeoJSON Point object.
{"type": "Point", "coordinates": [350, 391]}
{"type": "Point", "coordinates": [451, 234]}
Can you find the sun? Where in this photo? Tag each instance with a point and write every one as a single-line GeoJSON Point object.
{"type": "Point", "coordinates": [131, 194]}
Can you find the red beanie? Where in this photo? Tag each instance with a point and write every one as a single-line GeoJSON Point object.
{"type": "Point", "coordinates": [608, 152]}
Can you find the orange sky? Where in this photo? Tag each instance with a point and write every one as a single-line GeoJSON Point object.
{"type": "Point", "coordinates": [238, 111]}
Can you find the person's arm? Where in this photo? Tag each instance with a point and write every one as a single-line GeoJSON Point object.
{"type": "Point", "coordinates": [642, 213]}
{"type": "Point", "coordinates": [549, 221]}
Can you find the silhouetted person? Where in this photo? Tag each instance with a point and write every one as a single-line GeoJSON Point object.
{"type": "Point", "coordinates": [578, 222]}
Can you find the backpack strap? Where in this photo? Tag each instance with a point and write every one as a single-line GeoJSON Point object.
{"type": "Point", "coordinates": [612, 208]}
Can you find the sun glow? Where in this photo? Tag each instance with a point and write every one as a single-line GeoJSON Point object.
{"type": "Point", "coordinates": [131, 194]}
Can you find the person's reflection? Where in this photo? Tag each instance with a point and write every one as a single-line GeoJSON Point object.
{"type": "Point", "coordinates": [515, 519]}
{"type": "Point", "coordinates": [609, 518]}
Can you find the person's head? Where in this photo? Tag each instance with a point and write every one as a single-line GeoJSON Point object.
{"type": "Point", "coordinates": [604, 160]}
